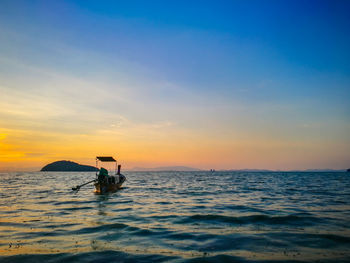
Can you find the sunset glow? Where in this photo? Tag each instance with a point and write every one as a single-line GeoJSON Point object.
{"type": "Point", "coordinates": [174, 84]}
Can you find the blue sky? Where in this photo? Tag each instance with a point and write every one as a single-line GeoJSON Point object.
{"type": "Point", "coordinates": [232, 74]}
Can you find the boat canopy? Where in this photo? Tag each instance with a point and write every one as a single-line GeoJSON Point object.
{"type": "Point", "coordinates": [105, 158]}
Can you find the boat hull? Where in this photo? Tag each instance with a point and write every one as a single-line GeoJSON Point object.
{"type": "Point", "coordinates": [102, 188]}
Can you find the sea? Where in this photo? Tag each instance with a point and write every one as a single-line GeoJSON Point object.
{"type": "Point", "coordinates": [176, 217]}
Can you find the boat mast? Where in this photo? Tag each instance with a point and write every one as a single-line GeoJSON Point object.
{"type": "Point", "coordinates": [96, 166]}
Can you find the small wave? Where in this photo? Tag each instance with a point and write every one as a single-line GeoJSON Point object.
{"type": "Point", "coordinates": [78, 208]}
{"type": "Point", "coordinates": [253, 219]}
{"type": "Point", "coordinates": [96, 256]}
{"type": "Point", "coordinates": [15, 224]}
{"type": "Point", "coordinates": [163, 203]}
{"type": "Point", "coordinates": [216, 259]}
{"type": "Point", "coordinates": [242, 208]}
{"type": "Point", "coordinates": [73, 202]}
{"type": "Point", "coordinates": [313, 240]}
{"type": "Point", "coordinates": [101, 228]}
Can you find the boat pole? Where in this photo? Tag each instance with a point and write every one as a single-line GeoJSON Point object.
{"type": "Point", "coordinates": [78, 186]}
{"type": "Point", "coordinates": [96, 167]}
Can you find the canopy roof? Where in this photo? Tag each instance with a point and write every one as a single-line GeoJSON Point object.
{"type": "Point", "coordinates": [105, 158]}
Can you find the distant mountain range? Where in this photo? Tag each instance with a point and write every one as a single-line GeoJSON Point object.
{"type": "Point", "coordinates": [67, 166]}
{"type": "Point", "coordinates": [186, 168]}
{"type": "Point", "coordinates": [166, 168]}
{"type": "Point", "coordinates": [264, 170]}
{"type": "Point", "coordinates": [320, 170]}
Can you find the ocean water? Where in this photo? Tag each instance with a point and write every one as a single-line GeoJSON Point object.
{"type": "Point", "coordinates": [176, 217]}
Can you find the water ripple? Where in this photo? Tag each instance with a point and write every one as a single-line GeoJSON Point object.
{"type": "Point", "coordinates": [176, 217]}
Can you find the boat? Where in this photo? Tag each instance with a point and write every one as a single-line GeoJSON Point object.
{"type": "Point", "coordinates": [106, 181]}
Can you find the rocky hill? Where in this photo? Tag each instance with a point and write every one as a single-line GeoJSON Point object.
{"type": "Point", "coordinates": [67, 166]}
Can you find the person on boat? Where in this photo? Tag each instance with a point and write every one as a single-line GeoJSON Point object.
{"type": "Point", "coordinates": [103, 175]}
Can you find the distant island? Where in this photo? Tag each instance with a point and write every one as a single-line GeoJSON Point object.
{"type": "Point", "coordinates": [166, 169]}
{"type": "Point", "coordinates": [67, 166]}
{"type": "Point", "coordinates": [192, 169]}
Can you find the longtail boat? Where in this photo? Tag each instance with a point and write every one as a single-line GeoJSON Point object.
{"type": "Point", "coordinates": [106, 182]}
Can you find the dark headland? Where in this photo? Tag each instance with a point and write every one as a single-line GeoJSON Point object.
{"type": "Point", "coordinates": [67, 166]}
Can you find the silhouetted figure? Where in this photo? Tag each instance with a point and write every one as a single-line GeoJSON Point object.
{"type": "Point", "coordinates": [103, 175]}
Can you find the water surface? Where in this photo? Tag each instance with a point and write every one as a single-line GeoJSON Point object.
{"type": "Point", "coordinates": [176, 217]}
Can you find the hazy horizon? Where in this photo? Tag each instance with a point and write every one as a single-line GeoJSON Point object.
{"type": "Point", "coordinates": [177, 168]}
{"type": "Point", "coordinates": [213, 85]}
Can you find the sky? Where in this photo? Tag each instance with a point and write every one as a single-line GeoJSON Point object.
{"type": "Point", "coordinates": [206, 84]}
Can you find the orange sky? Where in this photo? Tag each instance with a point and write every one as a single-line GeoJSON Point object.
{"type": "Point", "coordinates": [161, 146]}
